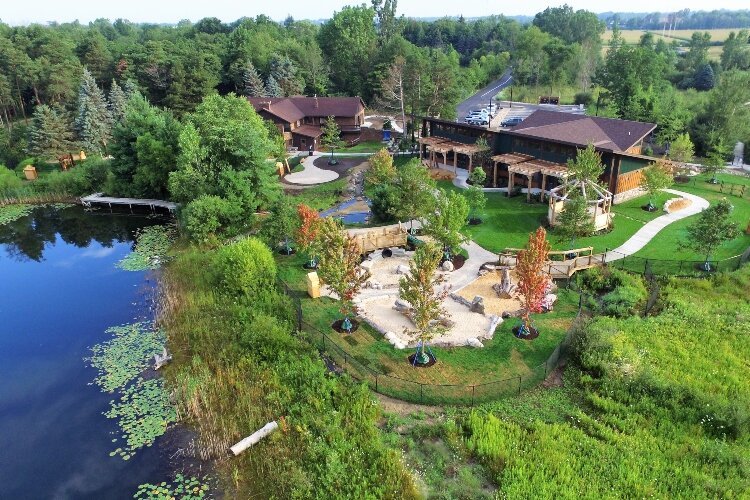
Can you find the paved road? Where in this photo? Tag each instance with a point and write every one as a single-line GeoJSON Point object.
{"type": "Point", "coordinates": [482, 98]}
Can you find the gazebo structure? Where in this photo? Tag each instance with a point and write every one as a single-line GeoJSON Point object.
{"type": "Point", "coordinates": [439, 145]}
{"type": "Point", "coordinates": [599, 202]}
{"type": "Point", "coordinates": [507, 159]}
{"type": "Point", "coordinates": [532, 167]}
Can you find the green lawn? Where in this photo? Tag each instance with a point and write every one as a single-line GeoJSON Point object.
{"type": "Point", "coordinates": [507, 222]}
{"type": "Point", "coordinates": [503, 359]}
{"type": "Point", "coordinates": [322, 196]}
{"type": "Point", "coordinates": [666, 244]}
{"type": "Point", "coordinates": [363, 147]}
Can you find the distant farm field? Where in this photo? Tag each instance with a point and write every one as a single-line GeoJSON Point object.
{"type": "Point", "coordinates": [682, 37]}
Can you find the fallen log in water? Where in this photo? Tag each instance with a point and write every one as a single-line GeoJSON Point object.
{"type": "Point", "coordinates": [254, 438]}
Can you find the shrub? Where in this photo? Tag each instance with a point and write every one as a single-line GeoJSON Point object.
{"type": "Point", "coordinates": [385, 203]}
{"type": "Point", "coordinates": [8, 179]}
{"type": "Point", "coordinates": [621, 293]}
{"type": "Point", "coordinates": [204, 216]}
{"type": "Point", "coordinates": [584, 98]}
{"type": "Point", "coordinates": [246, 268]}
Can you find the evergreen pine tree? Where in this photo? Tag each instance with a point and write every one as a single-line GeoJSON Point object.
{"type": "Point", "coordinates": [117, 102]}
{"type": "Point", "coordinates": [252, 84]}
{"type": "Point", "coordinates": [50, 133]}
{"type": "Point", "coordinates": [284, 71]}
{"type": "Point", "coordinates": [131, 89]}
{"type": "Point", "coordinates": [93, 122]}
{"type": "Point", "coordinates": [704, 78]}
{"type": "Point", "coordinates": [272, 87]}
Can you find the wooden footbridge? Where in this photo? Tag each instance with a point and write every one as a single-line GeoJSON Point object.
{"type": "Point", "coordinates": [563, 263]}
{"type": "Point", "coordinates": [100, 199]}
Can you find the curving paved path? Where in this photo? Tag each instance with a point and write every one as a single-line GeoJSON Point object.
{"type": "Point", "coordinates": [647, 232]}
{"type": "Point", "coordinates": [311, 174]}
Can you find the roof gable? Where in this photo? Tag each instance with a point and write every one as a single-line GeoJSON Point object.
{"type": "Point", "coordinates": [291, 109]}
{"type": "Point", "coordinates": [604, 133]}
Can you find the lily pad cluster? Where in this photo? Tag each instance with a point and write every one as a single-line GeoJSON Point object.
{"type": "Point", "coordinates": [143, 409]}
{"type": "Point", "coordinates": [124, 357]}
{"type": "Point", "coordinates": [151, 247]}
{"type": "Point", "coordinates": [143, 413]}
{"type": "Point", "coordinates": [182, 487]}
{"type": "Point", "coordinates": [10, 213]}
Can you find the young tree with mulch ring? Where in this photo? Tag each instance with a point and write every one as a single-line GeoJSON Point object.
{"type": "Point", "coordinates": [339, 268]}
{"type": "Point", "coordinates": [280, 225]}
{"type": "Point", "coordinates": [532, 280]}
{"type": "Point", "coordinates": [712, 228]}
{"type": "Point", "coordinates": [447, 219]}
{"type": "Point", "coordinates": [656, 177]}
{"type": "Point", "coordinates": [331, 138]}
{"type": "Point", "coordinates": [716, 159]}
{"type": "Point", "coordinates": [575, 221]}
{"type": "Point", "coordinates": [307, 234]}
{"type": "Point", "coordinates": [421, 289]}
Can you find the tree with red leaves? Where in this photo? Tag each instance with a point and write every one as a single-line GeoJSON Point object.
{"type": "Point", "coordinates": [532, 278]}
{"type": "Point", "coordinates": [339, 266]}
{"type": "Point", "coordinates": [307, 233]}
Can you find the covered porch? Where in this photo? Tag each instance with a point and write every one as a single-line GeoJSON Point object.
{"type": "Point", "coordinates": [441, 146]}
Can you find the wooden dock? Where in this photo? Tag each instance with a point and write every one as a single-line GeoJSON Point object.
{"type": "Point", "coordinates": [99, 199]}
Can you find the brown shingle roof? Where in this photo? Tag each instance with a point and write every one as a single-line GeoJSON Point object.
{"type": "Point", "coordinates": [308, 131]}
{"type": "Point", "coordinates": [291, 109]}
{"type": "Point", "coordinates": [604, 133]}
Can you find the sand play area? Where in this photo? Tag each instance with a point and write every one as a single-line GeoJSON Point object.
{"type": "Point", "coordinates": [493, 304]}
{"type": "Point", "coordinates": [377, 300]}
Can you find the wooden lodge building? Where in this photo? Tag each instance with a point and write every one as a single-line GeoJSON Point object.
{"type": "Point", "coordinates": [300, 119]}
{"type": "Point", "coordinates": [535, 152]}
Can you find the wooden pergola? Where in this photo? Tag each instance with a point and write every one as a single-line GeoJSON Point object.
{"type": "Point", "coordinates": [442, 146]}
{"type": "Point", "coordinates": [466, 149]}
{"type": "Point", "coordinates": [507, 159]}
{"type": "Point", "coordinates": [531, 167]}
{"type": "Point", "coordinates": [428, 143]}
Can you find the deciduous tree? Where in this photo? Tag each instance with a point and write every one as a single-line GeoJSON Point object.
{"type": "Point", "coordinates": [339, 266]}
{"type": "Point", "coordinates": [331, 138]}
{"type": "Point", "coordinates": [307, 233]}
{"type": "Point", "coordinates": [713, 227]}
{"type": "Point", "coordinates": [532, 278]}
{"type": "Point", "coordinates": [657, 176]}
{"type": "Point", "coordinates": [447, 219]}
{"type": "Point", "coordinates": [421, 288]}
{"type": "Point", "coordinates": [574, 221]}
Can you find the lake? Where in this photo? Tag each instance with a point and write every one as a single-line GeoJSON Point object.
{"type": "Point", "coordinates": [59, 292]}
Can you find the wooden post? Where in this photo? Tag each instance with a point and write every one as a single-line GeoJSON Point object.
{"type": "Point", "coordinates": [455, 160]}
{"type": "Point", "coordinates": [494, 176]}
{"type": "Point", "coordinates": [510, 182]}
{"type": "Point", "coordinates": [528, 189]}
{"type": "Point", "coordinates": [544, 185]}
{"type": "Point", "coordinates": [445, 157]}
{"type": "Point", "coordinates": [470, 161]}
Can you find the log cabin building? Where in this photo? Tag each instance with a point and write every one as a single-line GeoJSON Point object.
{"type": "Point", "coordinates": [300, 119]}
{"type": "Point", "coordinates": [538, 148]}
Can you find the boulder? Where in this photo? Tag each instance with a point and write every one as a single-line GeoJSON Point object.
{"type": "Point", "coordinates": [477, 305]}
{"type": "Point", "coordinates": [376, 285]}
{"type": "Point", "coordinates": [447, 322]}
{"type": "Point", "coordinates": [474, 342]}
{"type": "Point", "coordinates": [489, 267]}
{"type": "Point", "coordinates": [482, 272]}
{"type": "Point", "coordinates": [447, 266]}
{"type": "Point", "coordinates": [548, 302]}
{"type": "Point", "coordinates": [402, 269]}
{"type": "Point", "coordinates": [402, 306]}
{"type": "Point", "coordinates": [495, 321]}
{"type": "Point", "coordinates": [398, 252]}
{"type": "Point", "coordinates": [367, 264]}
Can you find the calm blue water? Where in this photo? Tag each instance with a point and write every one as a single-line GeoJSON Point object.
{"type": "Point", "coordinates": [59, 292]}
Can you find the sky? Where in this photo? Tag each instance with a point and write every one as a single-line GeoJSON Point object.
{"type": "Point", "coordinates": [171, 11]}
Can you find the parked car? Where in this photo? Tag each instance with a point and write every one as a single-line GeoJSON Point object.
{"type": "Point", "coordinates": [476, 114]}
{"type": "Point", "coordinates": [482, 120]}
{"type": "Point", "coordinates": [491, 109]}
{"type": "Point", "coordinates": [511, 122]}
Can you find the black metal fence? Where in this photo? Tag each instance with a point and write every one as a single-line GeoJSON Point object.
{"type": "Point", "coordinates": [685, 268]}
{"type": "Point", "coordinates": [425, 393]}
